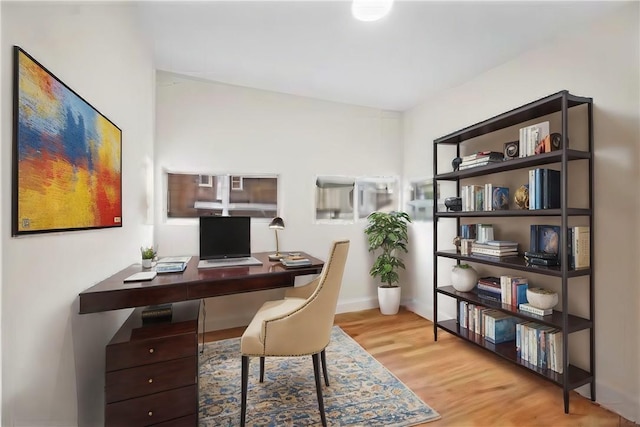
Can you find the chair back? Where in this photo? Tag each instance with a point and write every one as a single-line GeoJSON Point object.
{"type": "Point", "coordinates": [307, 330]}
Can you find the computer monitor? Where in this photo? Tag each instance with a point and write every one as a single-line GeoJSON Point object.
{"type": "Point", "coordinates": [223, 237]}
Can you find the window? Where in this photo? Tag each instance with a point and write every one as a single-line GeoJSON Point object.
{"type": "Point", "coordinates": [350, 199]}
{"type": "Point", "coordinates": [420, 205]}
{"type": "Point", "coordinates": [193, 195]}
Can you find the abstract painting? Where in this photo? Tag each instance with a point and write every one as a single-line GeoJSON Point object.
{"type": "Point", "coordinates": [66, 158]}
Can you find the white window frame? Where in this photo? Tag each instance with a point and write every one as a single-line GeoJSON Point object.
{"type": "Point", "coordinates": [359, 183]}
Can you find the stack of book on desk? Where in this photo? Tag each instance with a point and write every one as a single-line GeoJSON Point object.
{"type": "Point", "coordinates": [292, 261]}
{"type": "Point", "coordinates": [172, 264]}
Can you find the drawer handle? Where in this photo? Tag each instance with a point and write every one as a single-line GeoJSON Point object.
{"type": "Point", "coordinates": [150, 380]}
{"type": "Point", "coordinates": [150, 413]}
{"type": "Point", "coordinates": [150, 350]}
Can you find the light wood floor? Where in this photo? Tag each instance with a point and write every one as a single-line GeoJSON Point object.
{"type": "Point", "coordinates": [466, 385]}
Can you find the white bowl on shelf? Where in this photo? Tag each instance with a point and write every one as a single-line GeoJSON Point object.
{"type": "Point", "coordinates": [542, 298]}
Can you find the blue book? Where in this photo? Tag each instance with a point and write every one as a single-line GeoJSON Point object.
{"type": "Point", "coordinates": [550, 189]}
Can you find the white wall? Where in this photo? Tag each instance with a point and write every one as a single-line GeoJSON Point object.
{"type": "Point", "coordinates": [53, 374]}
{"type": "Point", "coordinates": [601, 62]}
{"type": "Point", "coordinates": [209, 127]}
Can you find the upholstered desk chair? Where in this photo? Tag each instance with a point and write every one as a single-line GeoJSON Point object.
{"type": "Point", "coordinates": [299, 325]}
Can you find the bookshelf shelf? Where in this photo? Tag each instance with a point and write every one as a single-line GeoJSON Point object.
{"type": "Point", "coordinates": [487, 135]}
{"type": "Point", "coordinates": [576, 378]}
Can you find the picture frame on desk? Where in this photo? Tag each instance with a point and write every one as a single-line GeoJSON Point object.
{"type": "Point", "coordinates": [67, 156]}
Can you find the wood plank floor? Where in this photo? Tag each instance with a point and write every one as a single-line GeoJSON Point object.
{"type": "Point", "coordinates": [466, 385]}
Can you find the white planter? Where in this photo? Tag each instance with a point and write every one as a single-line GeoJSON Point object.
{"type": "Point", "coordinates": [389, 300]}
{"type": "Point", "coordinates": [147, 263]}
{"type": "Point", "coordinates": [463, 279]}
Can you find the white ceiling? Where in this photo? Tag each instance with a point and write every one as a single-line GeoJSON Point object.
{"type": "Point", "coordinates": [316, 49]}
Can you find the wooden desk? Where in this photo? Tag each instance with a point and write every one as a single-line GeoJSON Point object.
{"type": "Point", "coordinates": [151, 372]}
{"type": "Point", "coordinates": [113, 293]}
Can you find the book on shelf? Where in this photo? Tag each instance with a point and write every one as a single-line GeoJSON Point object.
{"type": "Point", "coordinates": [499, 327]}
{"type": "Point", "coordinates": [581, 236]}
{"type": "Point", "coordinates": [502, 243]}
{"type": "Point", "coordinates": [497, 258]}
{"type": "Point", "coordinates": [532, 139]}
{"type": "Point", "coordinates": [515, 290]}
{"type": "Point", "coordinates": [543, 261]}
{"type": "Point", "coordinates": [468, 231]}
{"type": "Point", "coordinates": [535, 310]}
{"type": "Point", "coordinates": [484, 232]}
{"type": "Point", "coordinates": [483, 154]}
{"type": "Point", "coordinates": [550, 189]}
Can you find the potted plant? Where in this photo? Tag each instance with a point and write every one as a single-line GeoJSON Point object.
{"type": "Point", "coordinates": [148, 254]}
{"type": "Point", "coordinates": [387, 232]}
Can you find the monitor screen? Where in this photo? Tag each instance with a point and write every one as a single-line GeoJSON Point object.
{"type": "Point", "coordinates": [225, 237]}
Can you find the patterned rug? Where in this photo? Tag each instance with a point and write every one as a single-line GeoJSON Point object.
{"type": "Point", "coordinates": [362, 392]}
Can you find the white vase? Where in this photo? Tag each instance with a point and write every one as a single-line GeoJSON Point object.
{"type": "Point", "coordinates": [389, 299]}
{"type": "Point", "coordinates": [463, 279]}
{"type": "Point", "coordinates": [147, 263]}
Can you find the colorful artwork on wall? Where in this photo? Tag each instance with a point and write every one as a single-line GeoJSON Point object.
{"type": "Point", "coordinates": [66, 159]}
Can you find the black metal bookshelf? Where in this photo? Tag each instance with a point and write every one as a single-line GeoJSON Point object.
{"type": "Point", "coordinates": [555, 104]}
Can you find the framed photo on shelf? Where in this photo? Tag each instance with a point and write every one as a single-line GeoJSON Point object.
{"type": "Point", "coordinates": [66, 156]}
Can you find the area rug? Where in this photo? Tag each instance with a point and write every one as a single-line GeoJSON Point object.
{"type": "Point", "coordinates": [361, 391]}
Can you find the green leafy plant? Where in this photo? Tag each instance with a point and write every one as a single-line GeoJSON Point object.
{"type": "Point", "coordinates": [148, 252]}
{"type": "Point", "coordinates": [463, 266]}
{"type": "Point", "coordinates": [387, 231]}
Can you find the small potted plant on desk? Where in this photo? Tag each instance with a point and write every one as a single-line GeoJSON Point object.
{"type": "Point", "coordinates": [148, 255]}
{"type": "Point", "coordinates": [388, 231]}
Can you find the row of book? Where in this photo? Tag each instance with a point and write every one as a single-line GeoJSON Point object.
{"type": "Point", "coordinates": [505, 289]}
{"type": "Point", "coordinates": [534, 139]}
{"type": "Point", "coordinates": [493, 325]}
{"type": "Point", "coordinates": [536, 344]}
{"type": "Point", "coordinates": [544, 188]}
{"type": "Point", "coordinates": [539, 345]}
{"type": "Point", "coordinates": [480, 158]}
{"type": "Point", "coordinates": [487, 197]}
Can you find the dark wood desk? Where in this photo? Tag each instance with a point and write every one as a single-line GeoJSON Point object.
{"type": "Point", "coordinates": [113, 293]}
{"type": "Point", "coordinates": [151, 372]}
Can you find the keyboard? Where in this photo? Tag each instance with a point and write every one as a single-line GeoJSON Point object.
{"type": "Point", "coordinates": [228, 262]}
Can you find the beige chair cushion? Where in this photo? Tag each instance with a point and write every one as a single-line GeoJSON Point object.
{"type": "Point", "coordinates": [253, 339]}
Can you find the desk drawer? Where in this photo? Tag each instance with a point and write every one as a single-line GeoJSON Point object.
{"type": "Point", "coordinates": [188, 421]}
{"type": "Point", "coordinates": [145, 352]}
{"type": "Point", "coordinates": [154, 408]}
{"type": "Point", "coordinates": [148, 379]}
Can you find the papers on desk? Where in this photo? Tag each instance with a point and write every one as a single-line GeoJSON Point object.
{"type": "Point", "coordinates": [141, 276]}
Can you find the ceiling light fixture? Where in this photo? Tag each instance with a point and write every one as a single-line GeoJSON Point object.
{"type": "Point", "coordinates": [370, 10]}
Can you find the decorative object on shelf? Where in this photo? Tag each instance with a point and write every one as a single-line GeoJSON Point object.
{"type": "Point", "coordinates": [148, 255]}
{"type": "Point", "coordinates": [455, 163]}
{"type": "Point", "coordinates": [542, 298]}
{"type": "Point", "coordinates": [511, 150]}
{"type": "Point", "coordinates": [555, 142]}
{"type": "Point", "coordinates": [453, 204]}
{"type": "Point", "coordinates": [464, 277]}
{"type": "Point", "coordinates": [457, 242]}
{"type": "Point", "coordinates": [276, 224]}
{"type": "Point", "coordinates": [388, 231]}
{"type": "Point", "coordinates": [521, 197]}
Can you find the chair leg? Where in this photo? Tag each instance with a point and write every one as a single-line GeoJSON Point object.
{"type": "Point", "coordinates": [323, 358]}
{"type": "Point", "coordinates": [262, 369]}
{"type": "Point", "coordinates": [245, 382]}
{"type": "Point", "coordinates": [316, 373]}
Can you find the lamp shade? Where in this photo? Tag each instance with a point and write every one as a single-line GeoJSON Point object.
{"type": "Point", "coordinates": [370, 10]}
{"type": "Point", "coordinates": [277, 223]}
